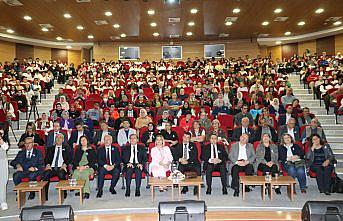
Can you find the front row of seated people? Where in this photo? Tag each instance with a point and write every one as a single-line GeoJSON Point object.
{"type": "Point", "coordinates": [107, 159]}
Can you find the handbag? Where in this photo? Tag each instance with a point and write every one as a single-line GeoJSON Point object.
{"type": "Point", "coordinates": [336, 184]}
{"type": "Point", "coordinates": [297, 163]}
{"type": "Point", "coordinates": [190, 174]}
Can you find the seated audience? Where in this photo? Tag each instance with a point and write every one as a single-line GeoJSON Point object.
{"type": "Point", "coordinates": [311, 129]}
{"type": "Point", "coordinates": [31, 132]}
{"type": "Point", "coordinates": [169, 135]}
{"type": "Point", "coordinates": [186, 122]}
{"type": "Point", "coordinates": [149, 136]}
{"type": "Point", "coordinates": [217, 130]}
{"type": "Point", "coordinates": [125, 133]}
{"type": "Point", "coordinates": [143, 120]}
{"type": "Point", "coordinates": [198, 133]}
{"type": "Point", "coordinates": [51, 138]}
{"type": "Point", "coordinates": [291, 129]}
{"type": "Point", "coordinates": [243, 129]}
{"type": "Point", "coordinates": [100, 134]}
{"type": "Point", "coordinates": [244, 113]}
{"type": "Point", "coordinates": [78, 133]}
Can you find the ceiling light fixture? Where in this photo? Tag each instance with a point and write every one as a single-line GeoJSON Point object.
{"type": "Point", "coordinates": [116, 26]}
{"type": "Point", "coordinates": [67, 15]}
{"type": "Point", "coordinates": [278, 10]}
{"type": "Point", "coordinates": [265, 23]}
{"type": "Point", "coordinates": [79, 27]}
{"type": "Point", "coordinates": [68, 47]}
{"type": "Point", "coordinates": [191, 23]}
{"type": "Point", "coordinates": [108, 13]}
{"type": "Point", "coordinates": [27, 18]}
{"type": "Point", "coordinates": [236, 10]}
{"type": "Point", "coordinates": [156, 34]}
{"type": "Point", "coordinates": [194, 10]}
{"type": "Point", "coordinates": [45, 29]}
{"type": "Point", "coordinates": [319, 11]}
{"type": "Point", "coordinates": [59, 38]}
{"type": "Point", "coordinates": [301, 23]}
{"type": "Point", "coordinates": [288, 33]}
{"type": "Point", "coordinates": [90, 36]}
{"type": "Point", "coordinates": [189, 33]}
{"type": "Point", "coordinates": [337, 23]}
{"type": "Point", "coordinates": [151, 12]}
{"type": "Point", "coordinates": [10, 31]}
{"type": "Point", "coordinates": [153, 24]}
{"type": "Point", "coordinates": [228, 23]}
{"type": "Point", "coordinates": [123, 35]}
{"type": "Point", "coordinates": [278, 42]}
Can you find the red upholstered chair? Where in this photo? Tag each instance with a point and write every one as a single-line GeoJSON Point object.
{"type": "Point", "coordinates": [226, 120]}
{"type": "Point", "coordinates": [179, 131]}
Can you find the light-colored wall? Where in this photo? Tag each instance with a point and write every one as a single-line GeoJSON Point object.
{"type": "Point", "coordinates": [275, 52]}
{"type": "Point", "coordinates": [42, 53]}
{"type": "Point", "coordinates": [310, 45]}
{"type": "Point", "coordinates": [7, 51]}
{"type": "Point", "coordinates": [241, 48]}
{"type": "Point", "coordinates": [339, 43]}
{"type": "Point", "coordinates": [74, 57]}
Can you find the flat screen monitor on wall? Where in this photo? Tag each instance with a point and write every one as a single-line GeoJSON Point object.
{"type": "Point", "coordinates": [172, 52]}
{"type": "Point", "coordinates": [217, 51]}
{"type": "Point", "coordinates": [129, 53]}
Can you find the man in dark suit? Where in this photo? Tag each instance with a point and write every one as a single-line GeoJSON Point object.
{"type": "Point", "coordinates": [243, 129]}
{"type": "Point", "coordinates": [100, 134]}
{"type": "Point", "coordinates": [50, 140]}
{"type": "Point", "coordinates": [109, 163]}
{"type": "Point", "coordinates": [215, 156]}
{"type": "Point", "coordinates": [291, 129]}
{"type": "Point", "coordinates": [186, 154]}
{"type": "Point", "coordinates": [79, 132]}
{"type": "Point", "coordinates": [242, 156]}
{"type": "Point", "coordinates": [57, 159]}
{"type": "Point", "coordinates": [130, 112]}
{"type": "Point", "coordinates": [134, 158]}
{"type": "Point", "coordinates": [28, 163]}
{"type": "Point", "coordinates": [284, 118]}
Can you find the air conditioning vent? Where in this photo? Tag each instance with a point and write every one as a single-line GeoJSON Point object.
{"type": "Point", "coordinates": [332, 19]}
{"type": "Point", "coordinates": [101, 22]}
{"type": "Point", "coordinates": [281, 19]}
{"type": "Point", "coordinates": [174, 20]}
{"type": "Point", "coordinates": [174, 36]}
{"type": "Point", "coordinates": [232, 19]}
{"type": "Point", "coordinates": [223, 35]}
{"type": "Point", "coordinates": [12, 2]}
{"type": "Point", "coordinates": [49, 26]}
{"type": "Point", "coordinates": [83, 1]}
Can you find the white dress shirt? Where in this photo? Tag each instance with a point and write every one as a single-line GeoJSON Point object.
{"type": "Point", "coordinates": [108, 153]}
{"type": "Point", "coordinates": [242, 153]}
{"type": "Point", "coordinates": [104, 133]}
{"type": "Point", "coordinates": [79, 134]}
{"type": "Point", "coordinates": [134, 153]}
{"type": "Point", "coordinates": [183, 150]}
{"type": "Point", "coordinates": [245, 130]}
{"type": "Point", "coordinates": [288, 116]}
{"type": "Point", "coordinates": [290, 131]}
{"type": "Point", "coordinates": [214, 152]}
{"type": "Point", "coordinates": [60, 157]}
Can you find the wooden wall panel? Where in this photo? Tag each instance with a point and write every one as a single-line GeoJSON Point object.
{"type": "Point", "coordinates": [23, 51]}
{"type": "Point", "coordinates": [150, 52]}
{"type": "Point", "coordinates": [310, 45]}
{"type": "Point", "coordinates": [275, 52]}
{"type": "Point", "coordinates": [42, 53]}
{"type": "Point", "coordinates": [105, 50]}
{"type": "Point", "coordinates": [339, 43]}
{"type": "Point", "coordinates": [7, 51]}
{"type": "Point", "coordinates": [241, 48]}
{"type": "Point", "coordinates": [192, 50]}
{"type": "Point", "coordinates": [74, 56]}
{"type": "Point", "coordinates": [85, 54]}
{"type": "Point", "coordinates": [263, 51]}
{"type": "Point", "coordinates": [59, 55]}
{"type": "Point", "coordinates": [289, 50]}
{"type": "Point", "coordinates": [326, 44]}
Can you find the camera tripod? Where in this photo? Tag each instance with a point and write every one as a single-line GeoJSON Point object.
{"type": "Point", "coordinates": [34, 110]}
{"type": "Point", "coordinates": [9, 122]}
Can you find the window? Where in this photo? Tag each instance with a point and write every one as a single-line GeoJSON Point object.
{"type": "Point", "coordinates": [128, 53]}
{"type": "Point", "coordinates": [217, 51]}
{"type": "Point", "coordinates": [172, 52]}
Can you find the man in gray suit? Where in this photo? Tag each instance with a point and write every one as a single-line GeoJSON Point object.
{"type": "Point", "coordinates": [242, 156]}
{"type": "Point", "coordinates": [291, 129]}
{"type": "Point", "coordinates": [100, 134]}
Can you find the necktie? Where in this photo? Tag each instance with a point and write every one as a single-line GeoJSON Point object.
{"type": "Point", "coordinates": [215, 152]}
{"type": "Point", "coordinates": [57, 157]}
{"type": "Point", "coordinates": [108, 161]}
{"type": "Point", "coordinates": [246, 130]}
{"type": "Point", "coordinates": [29, 155]}
{"type": "Point", "coordinates": [185, 151]}
{"type": "Point", "coordinates": [134, 154]}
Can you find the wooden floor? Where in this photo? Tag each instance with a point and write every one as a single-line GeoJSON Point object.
{"type": "Point", "coordinates": [210, 216]}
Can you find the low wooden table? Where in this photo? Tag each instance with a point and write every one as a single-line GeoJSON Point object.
{"type": "Point", "coordinates": [24, 187]}
{"type": "Point", "coordinates": [158, 182]}
{"type": "Point", "coordinates": [283, 181]}
{"type": "Point", "coordinates": [253, 180]}
{"type": "Point", "coordinates": [63, 185]}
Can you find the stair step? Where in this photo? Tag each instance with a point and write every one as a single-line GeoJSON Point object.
{"type": "Point", "coordinates": [335, 139]}
{"type": "Point", "coordinates": [332, 127]}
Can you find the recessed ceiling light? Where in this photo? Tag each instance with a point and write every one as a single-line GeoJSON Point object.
{"type": "Point", "coordinates": [278, 10]}
{"type": "Point", "coordinates": [156, 34]}
{"type": "Point", "coordinates": [278, 42]}
{"type": "Point", "coordinates": [90, 36]}
{"type": "Point", "coordinates": [189, 33]}
{"type": "Point", "coordinates": [228, 23]}
{"type": "Point", "coordinates": [10, 31]}
{"type": "Point", "coordinates": [45, 29]}
{"type": "Point", "coordinates": [116, 26]}
{"type": "Point", "coordinates": [337, 23]}
{"type": "Point", "coordinates": [27, 18]}
{"type": "Point", "coordinates": [59, 38]}
{"type": "Point", "coordinates": [236, 10]}
{"type": "Point", "coordinates": [67, 15]}
{"type": "Point", "coordinates": [68, 47]}
{"type": "Point", "coordinates": [191, 23]}
{"type": "Point", "coordinates": [108, 13]}
{"type": "Point", "coordinates": [319, 11]}
{"type": "Point", "coordinates": [265, 23]}
{"type": "Point", "coordinates": [153, 24]}
{"type": "Point", "coordinates": [194, 10]}
{"type": "Point", "coordinates": [151, 12]}
{"type": "Point", "coordinates": [288, 33]}
{"type": "Point", "coordinates": [79, 27]}
{"type": "Point", "coordinates": [123, 35]}
{"type": "Point", "coordinates": [301, 23]}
